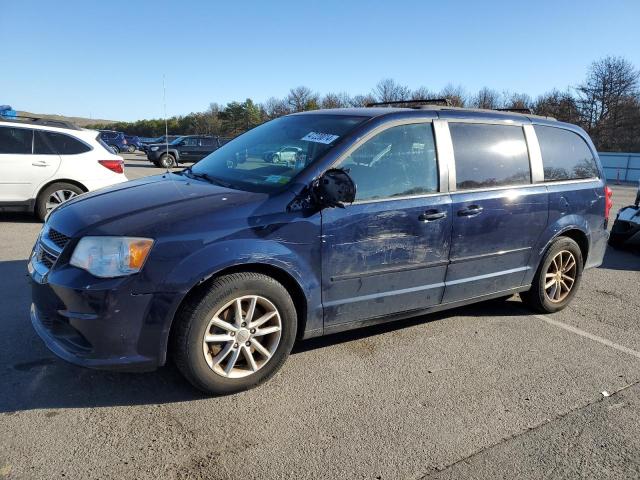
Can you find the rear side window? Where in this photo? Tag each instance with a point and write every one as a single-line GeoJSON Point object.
{"type": "Point", "coordinates": [565, 155]}
{"type": "Point", "coordinates": [16, 140]}
{"type": "Point", "coordinates": [47, 143]}
{"type": "Point", "coordinates": [397, 162]}
{"type": "Point", "coordinates": [205, 142]}
{"type": "Point", "coordinates": [489, 155]}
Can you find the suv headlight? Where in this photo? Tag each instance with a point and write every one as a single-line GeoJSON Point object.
{"type": "Point", "coordinates": [154, 149]}
{"type": "Point", "coordinates": [107, 257]}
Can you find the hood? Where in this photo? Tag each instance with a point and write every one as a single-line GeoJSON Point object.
{"type": "Point", "coordinates": [150, 204]}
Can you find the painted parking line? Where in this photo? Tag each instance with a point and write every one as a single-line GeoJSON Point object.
{"type": "Point", "coordinates": [588, 335]}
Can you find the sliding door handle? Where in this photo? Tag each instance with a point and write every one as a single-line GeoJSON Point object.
{"type": "Point", "coordinates": [431, 215]}
{"type": "Point", "coordinates": [470, 211]}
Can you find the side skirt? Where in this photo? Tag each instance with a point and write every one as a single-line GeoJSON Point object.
{"type": "Point", "coordinates": [341, 327]}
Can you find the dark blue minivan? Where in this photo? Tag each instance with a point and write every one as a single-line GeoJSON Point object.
{"type": "Point", "coordinates": [385, 213]}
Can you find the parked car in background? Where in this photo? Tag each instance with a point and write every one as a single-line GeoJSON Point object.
{"type": "Point", "coordinates": [225, 264]}
{"type": "Point", "coordinates": [188, 148]}
{"type": "Point", "coordinates": [115, 140]}
{"type": "Point", "coordinates": [156, 141]}
{"type": "Point", "coordinates": [625, 231]}
{"type": "Point", "coordinates": [285, 155]}
{"type": "Point", "coordinates": [44, 163]}
{"type": "Point", "coordinates": [133, 143]}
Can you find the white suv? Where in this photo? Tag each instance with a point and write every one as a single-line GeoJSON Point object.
{"type": "Point", "coordinates": [44, 163]}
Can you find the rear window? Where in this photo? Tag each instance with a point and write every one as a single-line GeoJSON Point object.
{"type": "Point", "coordinates": [48, 143]}
{"type": "Point", "coordinates": [489, 155]}
{"type": "Point", "coordinates": [565, 155]}
{"type": "Point", "coordinates": [16, 140]}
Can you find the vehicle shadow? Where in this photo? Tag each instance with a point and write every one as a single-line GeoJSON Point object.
{"type": "Point", "coordinates": [19, 217]}
{"type": "Point", "coordinates": [33, 378]}
{"type": "Point", "coordinates": [622, 259]}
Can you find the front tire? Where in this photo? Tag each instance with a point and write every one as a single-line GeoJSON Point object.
{"type": "Point", "coordinates": [558, 277]}
{"type": "Point", "coordinates": [54, 195]}
{"type": "Point", "coordinates": [235, 335]}
{"type": "Point", "coordinates": [115, 149]}
{"type": "Point", "coordinates": [131, 149]}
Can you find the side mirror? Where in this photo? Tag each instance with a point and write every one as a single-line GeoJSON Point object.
{"type": "Point", "coordinates": [334, 188]}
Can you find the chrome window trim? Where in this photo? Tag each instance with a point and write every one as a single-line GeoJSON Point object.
{"type": "Point", "coordinates": [386, 126]}
{"type": "Point", "coordinates": [535, 154]}
{"type": "Point", "coordinates": [444, 149]}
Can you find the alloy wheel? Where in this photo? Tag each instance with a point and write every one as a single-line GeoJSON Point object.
{"type": "Point", "coordinates": [242, 336]}
{"type": "Point", "coordinates": [59, 197]}
{"type": "Point", "coordinates": [560, 276]}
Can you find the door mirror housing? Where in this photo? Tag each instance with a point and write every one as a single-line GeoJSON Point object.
{"type": "Point", "coordinates": [334, 188]}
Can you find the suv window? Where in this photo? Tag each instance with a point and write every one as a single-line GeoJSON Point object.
{"type": "Point", "coordinates": [190, 142]}
{"type": "Point", "coordinates": [46, 143]}
{"type": "Point", "coordinates": [565, 155]}
{"type": "Point", "coordinates": [397, 162]}
{"type": "Point", "coordinates": [489, 155]}
{"type": "Point", "coordinates": [207, 141]}
{"type": "Point", "coordinates": [16, 140]}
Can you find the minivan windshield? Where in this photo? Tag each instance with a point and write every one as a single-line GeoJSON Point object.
{"type": "Point", "coordinates": [267, 157]}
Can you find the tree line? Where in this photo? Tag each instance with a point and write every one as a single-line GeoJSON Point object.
{"type": "Point", "coordinates": [606, 104]}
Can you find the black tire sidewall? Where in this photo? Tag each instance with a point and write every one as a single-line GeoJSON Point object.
{"type": "Point", "coordinates": [41, 201]}
{"type": "Point", "coordinates": [540, 298]}
{"type": "Point", "coordinates": [224, 290]}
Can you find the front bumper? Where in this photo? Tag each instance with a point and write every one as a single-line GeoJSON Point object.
{"type": "Point", "coordinates": [104, 327]}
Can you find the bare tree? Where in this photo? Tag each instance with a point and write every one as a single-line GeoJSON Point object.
{"type": "Point", "coordinates": [335, 100]}
{"type": "Point", "coordinates": [517, 101]}
{"type": "Point", "coordinates": [557, 104]}
{"type": "Point", "coordinates": [455, 95]}
{"type": "Point", "coordinates": [361, 100]}
{"type": "Point", "coordinates": [611, 85]}
{"type": "Point", "coordinates": [422, 93]}
{"type": "Point", "coordinates": [275, 107]}
{"type": "Point", "coordinates": [301, 99]}
{"type": "Point", "coordinates": [388, 90]}
{"type": "Point", "coordinates": [486, 98]}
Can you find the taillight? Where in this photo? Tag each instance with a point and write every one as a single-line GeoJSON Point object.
{"type": "Point", "coordinates": [608, 202]}
{"type": "Point", "coordinates": [124, 141]}
{"type": "Point", "coordinates": [113, 165]}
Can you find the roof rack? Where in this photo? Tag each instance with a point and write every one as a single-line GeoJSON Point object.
{"type": "Point", "coordinates": [48, 122]}
{"type": "Point", "coordinates": [515, 110]}
{"type": "Point", "coordinates": [412, 103]}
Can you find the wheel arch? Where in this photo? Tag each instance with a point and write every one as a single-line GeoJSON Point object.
{"type": "Point", "coordinates": [281, 275]}
{"type": "Point", "coordinates": [48, 183]}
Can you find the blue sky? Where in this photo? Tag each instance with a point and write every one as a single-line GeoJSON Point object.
{"type": "Point", "coordinates": [106, 59]}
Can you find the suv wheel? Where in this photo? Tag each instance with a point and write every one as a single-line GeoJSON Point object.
{"type": "Point", "coordinates": [236, 335]}
{"type": "Point", "coordinates": [558, 277]}
{"type": "Point", "coordinates": [115, 149]}
{"type": "Point", "coordinates": [54, 195]}
{"type": "Point", "coordinates": [131, 149]}
{"type": "Point", "coordinates": [167, 160]}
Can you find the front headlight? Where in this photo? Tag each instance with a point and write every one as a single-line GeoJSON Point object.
{"type": "Point", "coordinates": [154, 149]}
{"type": "Point", "coordinates": [108, 257]}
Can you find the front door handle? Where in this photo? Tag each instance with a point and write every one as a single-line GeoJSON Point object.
{"type": "Point", "coordinates": [40, 163]}
{"type": "Point", "coordinates": [470, 211]}
{"type": "Point", "coordinates": [431, 215]}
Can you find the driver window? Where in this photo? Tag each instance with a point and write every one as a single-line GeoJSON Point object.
{"type": "Point", "coordinates": [397, 162]}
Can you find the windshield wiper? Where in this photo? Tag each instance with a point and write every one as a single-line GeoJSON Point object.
{"type": "Point", "coordinates": [207, 177]}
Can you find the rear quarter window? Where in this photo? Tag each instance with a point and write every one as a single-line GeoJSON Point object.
{"type": "Point", "coordinates": [16, 140]}
{"type": "Point", "coordinates": [489, 155]}
{"type": "Point", "coordinates": [57, 143]}
{"type": "Point", "coordinates": [565, 155]}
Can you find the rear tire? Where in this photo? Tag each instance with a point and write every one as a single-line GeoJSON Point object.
{"type": "Point", "coordinates": [54, 195]}
{"type": "Point", "coordinates": [167, 160]}
{"type": "Point", "coordinates": [558, 277]}
{"type": "Point", "coordinates": [131, 149]}
{"type": "Point", "coordinates": [199, 345]}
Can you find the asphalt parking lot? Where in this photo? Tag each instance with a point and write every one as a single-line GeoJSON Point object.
{"type": "Point", "coordinates": [485, 391]}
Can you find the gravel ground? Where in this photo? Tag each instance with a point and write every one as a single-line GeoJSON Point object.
{"type": "Point", "coordinates": [485, 391]}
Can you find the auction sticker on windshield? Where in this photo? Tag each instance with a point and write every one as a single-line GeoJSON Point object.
{"type": "Point", "coordinates": [318, 137]}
